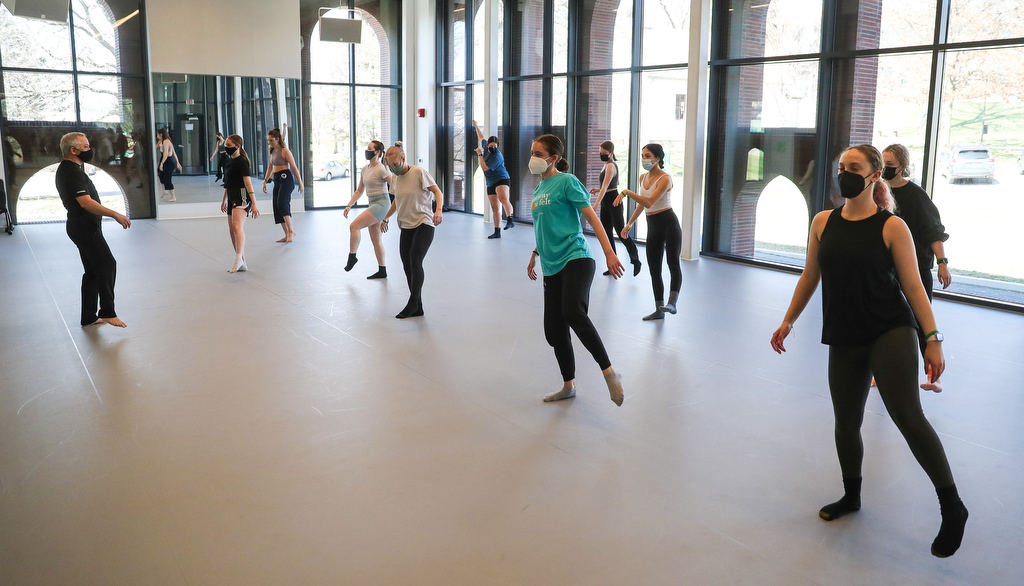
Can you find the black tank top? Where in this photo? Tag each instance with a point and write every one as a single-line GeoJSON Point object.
{"type": "Point", "coordinates": [613, 184]}
{"type": "Point", "coordinates": [860, 292]}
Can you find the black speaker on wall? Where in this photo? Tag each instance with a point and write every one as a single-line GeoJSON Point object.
{"type": "Point", "coordinates": [55, 10]}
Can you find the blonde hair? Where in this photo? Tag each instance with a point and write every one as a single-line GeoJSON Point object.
{"type": "Point", "coordinates": [902, 156]}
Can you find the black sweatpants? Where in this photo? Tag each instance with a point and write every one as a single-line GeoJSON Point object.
{"type": "Point", "coordinates": [613, 221]}
{"type": "Point", "coordinates": [566, 301]}
{"type": "Point", "coordinates": [284, 185]}
{"type": "Point", "coordinates": [893, 360]}
{"type": "Point", "coordinates": [664, 235]}
{"type": "Point", "coordinates": [100, 273]}
{"type": "Point", "coordinates": [413, 245]}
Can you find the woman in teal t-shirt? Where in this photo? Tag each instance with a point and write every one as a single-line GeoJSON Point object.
{"type": "Point", "coordinates": [567, 263]}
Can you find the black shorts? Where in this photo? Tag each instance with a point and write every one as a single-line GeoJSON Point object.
{"type": "Point", "coordinates": [493, 189]}
{"type": "Point", "coordinates": [239, 200]}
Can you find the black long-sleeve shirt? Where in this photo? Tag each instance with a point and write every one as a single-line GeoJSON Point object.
{"type": "Point", "coordinates": [922, 217]}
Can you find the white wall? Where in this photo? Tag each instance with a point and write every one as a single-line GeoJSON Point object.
{"type": "Point", "coordinates": [193, 36]}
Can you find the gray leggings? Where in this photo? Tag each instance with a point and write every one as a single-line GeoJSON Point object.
{"type": "Point", "coordinates": [892, 357]}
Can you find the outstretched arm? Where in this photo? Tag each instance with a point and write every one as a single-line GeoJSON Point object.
{"type": "Point", "coordinates": [479, 135]}
{"type": "Point", "coordinates": [660, 189]}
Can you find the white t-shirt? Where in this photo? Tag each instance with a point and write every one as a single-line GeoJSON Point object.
{"type": "Point", "coordinates": [375, 179]}
{"type": "Point", "coordinates": [413, 197]}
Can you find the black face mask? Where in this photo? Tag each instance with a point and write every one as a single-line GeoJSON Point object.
{"type": "Point", "coordinates": [604, 157]}
{"type": "Point", "coordinates": [851, 184]}
{"type": "Point", "coordinates": [370, 155]}
{"type": "Point", "coordinates": [889, 173]}
{"type": "Point", "coordinates": [85, 156]}
{"type": "Point", "coordinates": [230, 150]}
{"type": "Point", "coordinates": [492, 150]}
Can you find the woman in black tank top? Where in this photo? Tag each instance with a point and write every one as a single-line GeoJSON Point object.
{"type": "Point", "coordinates": [611, 212]}
{"type": "Point", "coordinates": [864, 257]}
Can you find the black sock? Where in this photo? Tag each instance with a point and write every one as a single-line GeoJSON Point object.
{"type": "Point", "coordinates": [410, 312]}
{"type": "Point", "coordinates": [509, 223]}
{"type": "Point", "coordinates": [351, 261]}
{"type": "Point", "coordinates": [848, 504]}
{"type": "Point", "coordinates": [382, 273]}
{"type": "Point", "coordinates": [497, 233]}
{"type": "Point", "coordinates": [636, 266]}
{"type": "Point", "coordinates": [954, 518]}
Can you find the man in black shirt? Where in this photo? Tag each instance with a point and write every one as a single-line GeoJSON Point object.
{"type": "Point", "coordinates": [85, 213]}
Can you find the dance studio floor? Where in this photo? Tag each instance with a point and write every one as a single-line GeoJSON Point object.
{"type": "Point", "coordinates": [280, 426]}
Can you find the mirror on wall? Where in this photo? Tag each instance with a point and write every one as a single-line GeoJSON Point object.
{"type": "Point", "coordinates": [192, 109]}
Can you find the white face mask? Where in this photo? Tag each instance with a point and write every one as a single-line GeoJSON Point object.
{"type": "Point", "coordinates": [538, 165]}
{"type": "Point", "coordinates": [647, 164]}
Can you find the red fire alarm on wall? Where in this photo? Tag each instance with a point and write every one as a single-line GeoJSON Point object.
{"type": "Point", "coordinates": [422, 112]}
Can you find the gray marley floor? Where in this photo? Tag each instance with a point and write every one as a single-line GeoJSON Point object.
{"type": "Point", "coordinates": [280, 426]}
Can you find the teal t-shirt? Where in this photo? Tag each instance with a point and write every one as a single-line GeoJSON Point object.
{"type": "Point", "coordinates": [557, 202]}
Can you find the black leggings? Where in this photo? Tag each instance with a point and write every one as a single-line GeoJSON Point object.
{"type": "Point", "coordinates": [664, 236]}
{"type": "Point", "coordinates": [166, 173]}
{"type": "Point", "coordinates": [613, 221]}
{"type": "Point", "coordinates": [100, 274]}
{"type": "Point", "coordinates": [566, 300]}
{"type": "Point", "coordinates": [413, 245]}
{"type": "Point", "coordinates": [892, 357]}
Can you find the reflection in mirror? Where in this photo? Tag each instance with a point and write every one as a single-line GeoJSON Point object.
{"type": "Point", "coordinates": [193, 109]}
{"type": "Point", "coordinates": [53, 86]}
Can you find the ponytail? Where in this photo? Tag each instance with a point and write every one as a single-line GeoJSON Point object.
{"type": "Point", "coordinates": [881, 195]}
{"type": "Point", "coordinates": [553, 147]}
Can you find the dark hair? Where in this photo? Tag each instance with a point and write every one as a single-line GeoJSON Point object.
{"type": "Point", "coordinates": [163, 134]}
{"type": "Point", "coordinates": [493, 139]}
{"type": "Point", "coordinates": [220, 135]}
{"type": "Point", "coordinates": [275, 133]}
{"type": "Point", "coordinates": [554, 146]}
{"type": "Point", "coordinates": [657, 151]}
{"type": "Point", "coordinates": [238, 142]}
{"type": "Point", "coordinates": [379, 147]}
{"type": "Point", "coordinates": [610, 147]}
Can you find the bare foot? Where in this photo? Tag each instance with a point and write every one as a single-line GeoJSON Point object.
{"type": "Point", "coordinates": [935, 387]}
{"type": "Point", "coordinates": [172, 200]}
{"type": "Point", "coordinates": [115, 321]}
{"type": "Point", "coordinates": [290, 236]}
{"type": "Point", "coordinates": [285, 239]}
{"type": "Point", "coordinates": [98, 322]}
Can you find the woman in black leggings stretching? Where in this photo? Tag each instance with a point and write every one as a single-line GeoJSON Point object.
{"type": "Point", "coordinates": [559, 201]}
{"type": "Point", "coordinates": [612, 218]}
{"type": "Point", "coordinates": [664, 236]}
{"type": "Point", "coordinates": [857, 251]}
{"type": "Point", "coordinates": [416, 197]}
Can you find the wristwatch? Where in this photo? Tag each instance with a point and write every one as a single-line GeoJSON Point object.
{"type": "Point", "coordinates": [937, 334]}
{"type": "Point", "coordinates": [942, 260]}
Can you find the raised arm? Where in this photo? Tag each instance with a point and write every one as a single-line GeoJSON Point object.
{"type": "Point", "coordinates": [479, 135]}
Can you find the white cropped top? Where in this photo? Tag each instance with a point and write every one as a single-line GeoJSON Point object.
{"type": "Point", "coordinates": [664, 202]}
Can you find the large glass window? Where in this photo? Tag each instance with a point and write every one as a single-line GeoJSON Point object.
{"type": "Point", "coordinates": [779, 125]}
{"type": "Point", "coordinates": [84, 75]}
{"type": "Point", "coordinates": [353, 97]}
